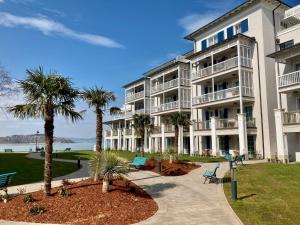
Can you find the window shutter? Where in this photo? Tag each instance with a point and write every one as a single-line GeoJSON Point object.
{"type": "Point", "coordinates": [203, 44]}
{"type": "Point", "coordinates": [229, 32]}
{"type": "Point", "coordinates": [220, 36]}
{"type": "Point", "coordinates": [244, 25]}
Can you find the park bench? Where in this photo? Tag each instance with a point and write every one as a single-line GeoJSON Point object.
{"type": "Point", "coordinates": [8, 150]}
{"type": "Point", "coordinates": [236, 160]}
{"type": "Point", "coordinates": [138, 161]}
{"type": "Point", "coordinates": [211, 174]}
{"type": "Point", "coordinates": [5, 180]}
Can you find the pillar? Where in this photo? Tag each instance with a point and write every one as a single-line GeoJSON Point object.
{"type": "Point", "coordinates": [163, 141]}
{"type": "Point", "coordinates": [214, 140]}
{"type": "Point", "coordinates": [156, 147]}
{"type": "Point", "coordinates": [111, 139]}
{"type": "Point", "coordinates": [124, 139]}
{"type": "Point", "coordinates": [146, 149]}
{"type": "Point", "coordinates": [243, 141]}
{"type": "Point", "coordinates": [282, 151]}
{"type": "Point", "coordinates": [119, 145]}
{"type": "Point", "coordinates": [133, 147]}
{"type": "Point", "coordinates": [150, 144]}
{"type": "Point", "coordinates": [180, 140]}
{"type": "Point", "coordinates": [192, 145]}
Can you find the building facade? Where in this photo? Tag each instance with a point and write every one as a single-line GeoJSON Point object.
{"type": "Point", "coordinates": [228, 84]}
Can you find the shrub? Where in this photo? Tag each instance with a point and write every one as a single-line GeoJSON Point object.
{"type": "Point", "coordinates": [170, 154]}
{"type": "Point", "coordinates": [64, 191]}
{"type": "Point", "coordinates": [28, 198]}
{"type": "Point", "coordinates": [36, 209]}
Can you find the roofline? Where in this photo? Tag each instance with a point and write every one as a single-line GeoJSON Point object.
{"type": "Point", "coordinates": [275, 54]}
{"type": "Point", "coordinates": [239, 35]}
{"type": "Point", "coordinates": [133, 82]}
{"type": "Point", "coordinates": [245, 4]}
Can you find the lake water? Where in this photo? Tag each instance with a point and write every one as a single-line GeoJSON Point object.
{"type": "Point", "coordinates": [56, 146]}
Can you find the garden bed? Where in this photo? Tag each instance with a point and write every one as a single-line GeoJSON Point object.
{"type": "Point", "coordinates": [124, 204]}
{"type": "Point", "coordinates": [177, 168]}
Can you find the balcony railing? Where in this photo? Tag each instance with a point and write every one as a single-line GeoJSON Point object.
{"type": "Point", "coordinates": [226, 123]}
{"type": "Point", "coordinates": [156, 130]}
{"type": "Point", "coordinates": [118, 116]}
{"type": "Point", "coordinates": [251, 122]}
{"type": "Point", "coordinates": [170, 84]}
{"type": "Point", "coordinates": [107, 133]}
{"type": "Point", "coordinates": [202, 125]}
{"type": "Point", "coordinates": [170, 106]}
{"type": "Point", "coordinates": [222, 66]}
{"type": "Point", "coordinates": [221, 95]}
{"type": "Point", "coordinates": [289, 79]}
{"type": "Point", "coordinates": [291, 117]}
{"type": "Point", "coordinates": [134, 96]}
{"type": "Point", "coordinates": [115, 132]}
{"type": "Point", "coordinates": [169, 128]}
{"type": "Point", "coordinates": [128, 131]}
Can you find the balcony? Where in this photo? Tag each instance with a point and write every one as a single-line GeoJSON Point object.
{"type": "Point", "coordinates": [250, 122]}
{"type": "Point", "coordinates": [202, 125]}
{"type": "Point", "coordinates": [128, 131]}
{"type": "Point", "coordinates": [290, 118]}
{"type": "Point", "coordinates": [114, 132]}
{"type": "Point", "coordinates": [135, 96]}
{"type": "Point", "coordinates": [156, 130]}
{"type": "Point", "coordinates": [107, 133]}
{"type": "Point", "coordinates": [222, 95]}
{"type": "Point", "coordinates": [118, 116]}
{"type": "Point", "coordinates": [220, 67]}
{"type": "Point", "coordinates": [169, 129]}
{"type": "Point", "coordinates": [129, 114]}
{"type": "Point", "coordinates": [291, 17]}
{"type": "Point", "coordinates": [226, 123]}
{"type": "Point", "coordinates": [289, 79]}
{"type": "Point", "coordinates": [170, 84]}
{"type": "Point", "coordinates": [170, 106]}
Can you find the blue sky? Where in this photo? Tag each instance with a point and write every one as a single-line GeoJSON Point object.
{"type": "Point", "coordinates": [96, 42]}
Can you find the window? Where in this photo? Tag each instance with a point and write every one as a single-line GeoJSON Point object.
{"type": "Point", "coordinates": [298, 67]}
{"type": "Point", "coordinates": [251, 146]}
{"type": "Point", "coordinates": [212, 40]}
{"type": "Point", "coordinates": [244, 26]}
{"type": "Point", "coordinates": [203, 44]}
{"type": "Point", "coordinates": [286, 44]}
{"type": "Point", "coordinates": [229, 32]}
{"type": "Point", "coordinates": [248, 111]}
{"type": "Point", "coordinates": [220, 36]}
{"type": "Point", "coordinates": [298, 103]}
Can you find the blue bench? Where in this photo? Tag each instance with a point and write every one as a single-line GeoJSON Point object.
{"type": "Point", "coordinates": [236, 160]}
{"type": "Point", "coordinates": [211, 174]}
{"type": "Point", "coordinates": [138, 161]}
{"type": "Point", "coordinates": [5, 180]}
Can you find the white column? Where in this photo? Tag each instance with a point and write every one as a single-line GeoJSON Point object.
{"type": "Point", "coordinates": [133, 148]}
{"type": "Point", "coordinates": [124, 140]}
{"type": "Point", "coordinates": [243, 135]}
{"type": "Point", "coordinates": [111, 139]}
{"type": "Point", "coordinates": [180, 140]}
{"type": "Point", "coordinates": [119, 139]}
{"type": "Point", "coordinates": [150, 144]}
{"type": "Point", "coordinates": [200, 144]}
{"type": "Point", "coordinates": [156, 147]}
{"type": "Point", "coordinates": [146, 149]}
{"type": "Point", "coordinates": [192, 144]}
{"type": "Point", "coordinates": [163, 141]}
{"type": "Point", "coordinates": [282, 150]}
{"type": "Point", "coordinates": [240, 77]}
{"type": "Point", "coordinates": [214, 140]}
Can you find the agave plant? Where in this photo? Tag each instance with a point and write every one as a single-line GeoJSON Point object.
{"type": "Point", "coordinates": [108, 166]}
{"type": "Point", "coordinates": [170, 154]}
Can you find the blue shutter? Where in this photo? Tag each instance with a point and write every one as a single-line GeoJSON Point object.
{"type": "Point", "coordinates": [229, 32]}
{"type": "Point", "coordinates": [220, 36]}
{"type": "Point", "coordinates": [203, 45]}
{"type": "Point", "coordinates": [244, 25]}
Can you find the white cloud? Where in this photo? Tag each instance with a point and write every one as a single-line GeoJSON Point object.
{"type": "Point", "coordinates": [193, 22]}
{"type": "Point", "coordinates": [51, 27]}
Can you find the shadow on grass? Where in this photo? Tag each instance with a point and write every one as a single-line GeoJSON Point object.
{"type": "Point", "coordinates": [246, 196]}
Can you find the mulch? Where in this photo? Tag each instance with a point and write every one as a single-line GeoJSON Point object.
{"type": "Point", "coordinates": [86, 205]}
{"type": "Point", "coordinates": [177, 168]}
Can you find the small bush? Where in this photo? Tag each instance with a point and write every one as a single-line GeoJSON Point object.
{"type": "Point", "coordinates": [28, 198]}
{"type": "Point", "coordinates": [36, 209]}
{"type": "Point", "coordinates": [64, 191]}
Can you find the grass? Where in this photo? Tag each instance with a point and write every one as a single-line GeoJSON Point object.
{"type": "Point", "coordinates": [130, 156]}
{"type": "Point", "coordinates": [268, 194]}
{"type": "Point", "coordinates": [31, 170]}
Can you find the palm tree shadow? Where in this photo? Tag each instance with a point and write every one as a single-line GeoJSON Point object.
{"type": "Point", "coordinates": [155, 190]}
{"type": "Point", "coordinates": [246, 196]}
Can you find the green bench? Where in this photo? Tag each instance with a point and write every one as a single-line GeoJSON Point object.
{"type": "Point", "coordinates": [138, 161]}
{"type": "Point", "coordinates": [211, 174]}
{"type": "Point", "coordinates": [5, 180]}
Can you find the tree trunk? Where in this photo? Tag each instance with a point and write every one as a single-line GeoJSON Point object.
{"type": "Point", "coordinates": [49, 128]}
{"type": "Point", "coordinates": [98, 129]}
{"type": "Point", "coordinates": [176, 138]}
{"type": "Point", "coordinates": [105, 185]}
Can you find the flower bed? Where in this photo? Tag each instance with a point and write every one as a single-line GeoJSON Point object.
{"type": "Point", "coordinates": [176, 168]}
{"type": "Point", "coordinates": [126, 203]}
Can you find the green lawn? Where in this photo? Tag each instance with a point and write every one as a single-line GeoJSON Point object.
{"type": "Point", "coordinates": [130, 156]}
{"type": "Point", "coordinates": [30, 170]}
{"type": "Point", "coordinates": [269, 194]}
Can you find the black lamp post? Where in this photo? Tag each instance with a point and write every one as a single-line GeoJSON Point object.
{"type": "Point", "coordinates": [233, 183]}
{"type": "Point", "coordinates": [36, 140]}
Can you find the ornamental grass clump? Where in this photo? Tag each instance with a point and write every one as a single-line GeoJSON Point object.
{"type": "Point", "coordinates": [108, 166]}
{"type": "Point", "coordinates": [171, 154]}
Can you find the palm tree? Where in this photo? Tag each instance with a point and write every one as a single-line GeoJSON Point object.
{"type": "Point", "coordinates": [99, 99]}
{"type": "Point", "coordinates": [47, 95]}
{"type": "Point", "coordinates": [107, 165]}
{"type": "Point", "coordinates": [176, 119]}
{"type": "Point", "coordinates": [142, 123]}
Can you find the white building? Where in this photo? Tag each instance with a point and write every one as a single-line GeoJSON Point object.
{"type": "Point", "coordinates": [228, 85]}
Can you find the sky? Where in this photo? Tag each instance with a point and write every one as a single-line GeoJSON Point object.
{"type": "Point", "coordinates": [96, 43]}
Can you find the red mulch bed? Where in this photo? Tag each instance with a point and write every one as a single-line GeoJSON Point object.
{"type": "Point", "coordinates": [177, 168]}
{"type": "Point", "coordinates": [86, 205]}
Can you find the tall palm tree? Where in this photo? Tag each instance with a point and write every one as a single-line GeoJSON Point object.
{"type": "Point", "coordinates": [176, 119]}
{"type": "Point", "coordinates": [142, 123]}
{"type": "Point", "coordinates": [99, 99]}
{"type": "Point", "coordinates": [47, 95]}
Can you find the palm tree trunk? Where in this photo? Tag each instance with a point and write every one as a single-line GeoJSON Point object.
{"type": "Point", "coordinates": [49, 128]}
{"type": "Point", "coordinates": [105, 185]}
{"type": "Point", "coordinates": [142, 144]}
{"type": "Point", "coordinates": [176, 138]}
{"type": "Point", "coordinates": [98, 129]}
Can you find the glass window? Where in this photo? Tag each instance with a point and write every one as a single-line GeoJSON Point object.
{"type": "Point", "coordinates": [286, 44]}
{"type": "Point", "coordinates": [244, 26]}
{"type": "Point", "coordinates": [297, 67]}
{"type": "Point", "coordinates": [251, 146]}
{"type": "Point", "coordinates": [203, 44]}
{"type": "Point", "coordinates": [229, 32]}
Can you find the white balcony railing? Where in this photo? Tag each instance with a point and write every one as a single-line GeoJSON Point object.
{"type": "Point", "coordinates": [134, 96]}
{"type": "Point", "coordinates": [114, 132]}
{"type": "Point", "coordinates": [222, 66]}
{"type": "Point", "coordinates": [226, 123]}
{"type": "Point", "coordinates": [250, 122]}
{"type": "Point", "coordinates": [221, 95]}
{"type": "Point", "coordinates": [118, 116]}
{"type": "Point", "coordinates": [128, 131]}
{"type": "Point", "coordinates": [293, 12]}
{"type": "Point", "coordinates": [170, 106]}
{"type": "Point", "coordinates": [169, 128]}
{"type": "Point", "coordinates": [291, 117]}
{"type": "Point", "coordinates": [202, 125]}
{"type": "Point", "coordinates": [170, 84]}
{"type": "Point", "coordinates": [289, 79]}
